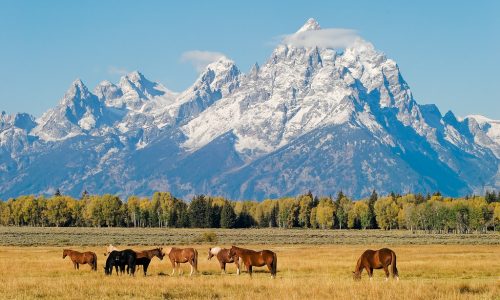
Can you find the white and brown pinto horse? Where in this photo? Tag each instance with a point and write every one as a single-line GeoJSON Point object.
{"type": "Point", "coordinates": [223, 257]}
{"type": "Point", "coordinates": [110, 249]}
{"type": "Point", "coordinates": [378, 259]}
{"type": "Point", "coordinates": [179, 255]}
{"type": "Point", "coordinates": [252, 258]}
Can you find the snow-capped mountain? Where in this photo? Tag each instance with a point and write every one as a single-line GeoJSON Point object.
{"type": "Point", "coordinates": [310, 117]}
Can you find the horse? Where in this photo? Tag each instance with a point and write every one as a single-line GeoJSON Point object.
{"type": "Point", "coordinates": [179, 255]}
{"type": "Point", "coordinates": [252, 258]}
{"type": "Point", "coordinates": [379, 259]}
{"type": "Point", "coordinates": [113, 260]}
{"type": "Point", "coordinates": [144, 257]}
{"type": "Point", "coordinates": [81, 258]}
{"type": "Point", "coordinates": [223, 257]}
{"type": "Point", "coordinates": [110, 249]}
{"type": "Point", "coordinates": [121, 259]}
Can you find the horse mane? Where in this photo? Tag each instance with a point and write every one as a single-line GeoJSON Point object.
{"type": "Point", "coordinates": [215, 250]}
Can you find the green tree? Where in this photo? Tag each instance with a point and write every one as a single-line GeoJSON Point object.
{"type": "Point", "coordinates": [228, 216]}
{"type": "Point", "coordinates": [198, 211]}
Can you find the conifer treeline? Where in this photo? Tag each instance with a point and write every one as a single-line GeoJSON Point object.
{"type": "Point", "coordinates": [432, 213]}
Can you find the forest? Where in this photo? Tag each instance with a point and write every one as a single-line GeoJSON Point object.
{"type": "Point", "coordinates": [416, 212]}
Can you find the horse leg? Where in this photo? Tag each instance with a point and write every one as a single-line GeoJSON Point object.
{"type": "Point", "coordinates": [270, 268]}
{"type": "Point", "coordinates": [223, 267]}
{"type": "Point", "coordinates": [192, 268]}
{"type": "Point", "coordinates": [77, 266]}
{"type": "Point", "coordinates": [237, 261]}
{"type": "Point", "coordinates": [386, 270]}
{"type": "Point", "coordinates": [249, 269]}
{"type": "Point", "coordinates": [173, 266]}
{"type": "Point", "coordinates": [179, 269]}
{"type": "Point", "coordinates": [369, 270]}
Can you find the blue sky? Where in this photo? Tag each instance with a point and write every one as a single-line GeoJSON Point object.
{"type": "Point", "coordinates": [448, 51]}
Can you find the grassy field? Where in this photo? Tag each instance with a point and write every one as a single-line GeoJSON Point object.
{"type": "Point", "coordinates": [311, 264]}
{"type": "Point", "coordinates": [51, 236]}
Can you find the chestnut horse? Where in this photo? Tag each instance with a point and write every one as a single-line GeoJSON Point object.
{"type": "Point", "coordinates": [256, 258]}
{"type": "Point", "coordinates": [379, 259]}
{"type": "Point", "coordinates": [179, 255]}
{"type": "Point", "coordinates": [81, 258]}
{"type": "Point", "coordinates": [223, 257]}
{"type": "Point", "coordinates": [144, 257]}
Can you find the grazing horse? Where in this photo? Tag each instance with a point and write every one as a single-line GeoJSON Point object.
{"type": "Point", "coordinates": [110, 249]}
{"type": "Point", "coordinates": [379, 259]}
{"type": "Point", "coordinates": [144, 257]}
{"type": "Point", "coordinates": [223, 257]}
{"type": "Point", "coordinates": [179, 255]}
{"type": "Point", "coordinates": [252, 258]}
{"type": "Point", "coordinates": [121, 259]}
{"type": "Point", "coordinates": [81, 258]}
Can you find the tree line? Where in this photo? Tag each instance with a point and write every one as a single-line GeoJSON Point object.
{"type": "Point", "coordinates": [431, 213]}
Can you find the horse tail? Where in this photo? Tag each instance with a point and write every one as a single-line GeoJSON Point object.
{"type": "Point", "coordinates": [195, 260]}
{"type": "Point", "coordinates": [274, 265]}
{"type": "Point", "coordinates": [393, 264]}
{"type": "Point", "coordinates": [94, 264]}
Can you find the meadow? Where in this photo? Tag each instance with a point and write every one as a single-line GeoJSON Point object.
{"type": "Point", "coordinates": [313, 264]}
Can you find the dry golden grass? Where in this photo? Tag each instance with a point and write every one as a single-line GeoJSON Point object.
{"type": "Point", "coordinates": [304, 272]}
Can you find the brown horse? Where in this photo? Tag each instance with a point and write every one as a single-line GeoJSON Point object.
{"type": "Point", "coordinates": [223, 257]}
{"type": "Point", "coordinates": [253, 258]}
{"type": "Point", "coordinates": [379, 259]}
{"type": "Point", "coordinates": [178, 256]}
{"type": "Point", "coordinates": [81, 258]}
{"type": "Point", "coordinates": [144, 257]}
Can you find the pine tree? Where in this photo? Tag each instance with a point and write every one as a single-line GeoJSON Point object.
{"type": "Point", "coordinates": [371, 209]}
{"type": "Point", "coordinates": [197, 212]}
{"type": "Point", "coordinates": [85, 195]}
{"type": "Point", "coordinates": [273, 216]}
{"type": "Point", "coordinates": [227, 216]}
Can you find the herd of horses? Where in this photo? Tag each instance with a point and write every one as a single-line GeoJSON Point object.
{"type": "Point", "coordinates": [128, 260]}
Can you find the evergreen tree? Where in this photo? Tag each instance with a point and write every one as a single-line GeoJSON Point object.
{"type": "Point", "coordinates": [57, 193]}
{"type": "Point", "coordinates": [371, 209]}
{"type": "Point", "coordinates": [490, 196]}
{"type": "Point", "coordinates": [197, 212]}
{"type": "Point", "coordinates": [227, 216]}
{"type": "Point", "coordinates": [273, 216]}
{"type": "Point", "coordinates": [85, 195]}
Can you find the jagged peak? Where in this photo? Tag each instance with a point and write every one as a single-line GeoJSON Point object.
{"type": "Point", "coordinates": [77, 90]}
{"type": "Point", "coordinates": [135, 76]}
{"type": "Point", "coordinates": [310, 24]}
{"type": "Point", "coordinates": [221, 64]}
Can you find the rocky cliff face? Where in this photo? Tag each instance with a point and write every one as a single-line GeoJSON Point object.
{"type": "Point", "coordinates": [313, 118]}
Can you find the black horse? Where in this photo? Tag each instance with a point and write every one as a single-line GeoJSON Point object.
{"type": "Point", "coordinates": [120, 259]}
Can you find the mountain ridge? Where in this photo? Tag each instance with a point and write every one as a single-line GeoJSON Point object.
{"type": "Point", "coordinates": [250, 135]}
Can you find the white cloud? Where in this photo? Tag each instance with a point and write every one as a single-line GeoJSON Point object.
{"type": "Point", "coordinates": [323, 38]}
{"type": "Point", "coordinates": [200, 59]}
{"type": "Point", "coordinates": [117, 71]}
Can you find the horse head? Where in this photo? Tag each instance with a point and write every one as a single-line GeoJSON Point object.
{"type": "Point", "coordinates": [232, 251]}
{"type": "Point", "coordinates": [65, 253]}
{"type": "Point", "coordinates": [160, 253]}
{"type": "Point", "coordinates": [210, 255]}
{"type": "Point", "coordinates": [356, 275]}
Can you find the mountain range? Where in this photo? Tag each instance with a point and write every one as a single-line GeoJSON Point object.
{"type": "Point", "coordinates": [309, 118]}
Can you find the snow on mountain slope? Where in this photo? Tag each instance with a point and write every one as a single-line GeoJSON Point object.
{"type": "Point", "coordinates": [299, 89]}
{"type": "Point", "coordinates": [78, 111]}
{"type": "Point", "coordinates": [317, 117]}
